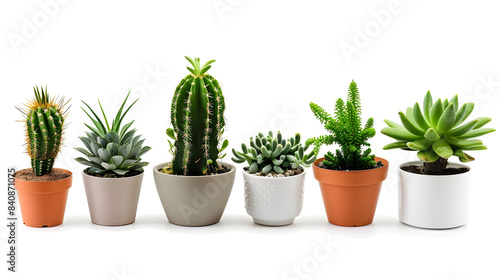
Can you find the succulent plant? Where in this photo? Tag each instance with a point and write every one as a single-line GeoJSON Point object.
{"type": "Point", "coordinates": [112, 151]}
{"type": "Point", "coordinates": [197, 117]}
{"type": "Point", "coordinates": [266, 154]}
{"type": "Point", "coordinates": [346, 130]}
{"type": "Point", "coordinates": [436, 132]}
{"type": "Point", "coordinates": [44, 129]}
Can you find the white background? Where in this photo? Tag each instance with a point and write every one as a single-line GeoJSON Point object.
{"type": "Point", "coordinates": [273, 58]}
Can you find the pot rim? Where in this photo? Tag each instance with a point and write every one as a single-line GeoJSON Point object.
{"type": "Point", "coordinates": [104, 178]}
{"type": "Point", "coordinates": [316, 162]}
{"type": "Point", "coordinates": [44, 182]}
{"type": "Point", "coordinates": [276, 178]}
{"type": "Point", "coordinates": [161, 165]}
{"type": "Point", "coordinates": [419, 162]}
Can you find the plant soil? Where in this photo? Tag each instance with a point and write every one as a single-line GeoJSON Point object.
{"type": "Point", "coordinates": [29, 175]}
{"type": "Point", "coordinates": [447, 171]}
{"type": "Point", "coordinates": [221, 169]}
{"type": "Point", "coordinates": [378, 165]}
{"type": "Point", "coordinates": [112, 175]}
{"type": "Point", "coordinates": [287, 173]}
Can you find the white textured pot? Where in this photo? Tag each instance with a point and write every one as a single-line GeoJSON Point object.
{"type": "Point", "coordinates": [434, 201]}
{"type": "Point", "coordinates": [274, 201]}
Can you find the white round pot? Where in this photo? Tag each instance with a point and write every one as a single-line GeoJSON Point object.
{"type": "Point", "coordinates": [434, 201]}
{"type": "Point", "coordinates": [274, 201]}
{"type": "Point", "coordinates": [194, 200]}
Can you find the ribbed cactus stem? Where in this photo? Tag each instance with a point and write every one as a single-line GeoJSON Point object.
{"type": "Point", "coordinates": [44, 124]}
{"type": "Point", "coordinates": [197, 120]}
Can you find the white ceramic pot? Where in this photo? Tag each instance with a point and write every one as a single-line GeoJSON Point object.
{"type": "Point", "coordinates": [194, 200]}
{"type": "Point", "coordinates": [274, 201]}
{"type": "Point", "coordinates": [434, 201]}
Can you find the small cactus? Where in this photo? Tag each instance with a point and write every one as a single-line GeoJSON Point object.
{"type": "Point", "coordinates": [267, 154]}
{"type": "Point", "coordinates": [197, 116]}
{"type": "Point", "coordinates": [44, 129]}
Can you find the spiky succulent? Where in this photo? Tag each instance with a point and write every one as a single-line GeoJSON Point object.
{"type": "Point", "coordinates": [112, 151]}
{"type": "Point", "coordinates": [44, 129]}
{"type": "Point", "coordinates": [197, 117]}
{"type": "Point", "coordinates": [346, 130]}
{"type": "Point", "coordinates": [436, 131]}
{"type": "Point", "coordinates": [266, 153]}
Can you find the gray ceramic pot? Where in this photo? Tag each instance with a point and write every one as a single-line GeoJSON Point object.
{"type": "Point", "coordinates": [194, 200]}
{"type": "Point", "coordinates": [112, 201]}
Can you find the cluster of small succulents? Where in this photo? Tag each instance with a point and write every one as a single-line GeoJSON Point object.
{"type": "Point", "coordinates": [267, 154]}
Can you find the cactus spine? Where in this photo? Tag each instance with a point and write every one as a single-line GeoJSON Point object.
{"type": "Point", "coordinates": [44, 129]}
{"type": "Point", "coordinates": [197, 117]}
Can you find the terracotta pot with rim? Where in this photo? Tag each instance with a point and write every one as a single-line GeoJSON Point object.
{"type": "Point", "coordinates": [43, 203]}
{"type": "Point", "coordinates": [351, 197]}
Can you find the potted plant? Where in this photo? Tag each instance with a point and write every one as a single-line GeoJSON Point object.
{"type": "Point", "coordinates": [42, 189]}
{"type": "Point", "coordinates": [350, 179]}
{"type": "Point", "coordinates": [274, 178]}
{"type": "Point", "coordinates": [433, 192]}
{"type": "Point", "coordinates": [195, 186]}
{"type": "Point", "coordinates": [114, 176]}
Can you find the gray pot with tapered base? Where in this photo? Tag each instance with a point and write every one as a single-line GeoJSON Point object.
{"type": "Point", "coordinates": [194, 200]}
{"type": "Point", "coordinates": [112, 201]}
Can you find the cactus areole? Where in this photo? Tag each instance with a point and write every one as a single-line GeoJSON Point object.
{"type": "Point", "coordinates": [197, 118]}
{"type": "Point", "coordinates": [44, 129]}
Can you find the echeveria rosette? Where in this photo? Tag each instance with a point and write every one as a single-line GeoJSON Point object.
{"type": "Point", "coordinates": [114, 150]}
{"type": "Point", "coordinates": [439, 130]}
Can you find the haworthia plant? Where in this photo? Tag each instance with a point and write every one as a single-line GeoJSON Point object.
{"type": "Point", "coordinates": [267, 154]}
{"type": "Point", "coordinates": [197, 116]}
{"type": "Point", "coordinates": [44, 129]}
{"type": "Point", "coordinates": [437, 132]}
{"type": "Point", "coordinates": [112, 151]}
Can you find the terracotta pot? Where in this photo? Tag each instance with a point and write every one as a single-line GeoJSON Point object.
{"type": "Point", "coordinates": [43, 203]}
{"type": "Point", "coordinates": [194, 200]}
{"type": "Point", "coordinates": [434, 201]}
{"type": "Point", "coordinates": [350, 197]}
{"type": "Point", "coordinates": [274, 201]}
{"type": "Point", "coordinates": [112, 201]}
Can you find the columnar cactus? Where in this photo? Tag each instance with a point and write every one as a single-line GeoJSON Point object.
{"type": "Point", "coordinates": [266, 154]}
{"type": "Point", "coordinates": [197, 117]}
{"type": "Point", "coordinates": [44, 129]}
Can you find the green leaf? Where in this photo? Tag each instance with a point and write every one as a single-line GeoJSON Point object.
{"type": "Point", "coordinates": [144, 150]}
{"type": "Point", "coordinates": [124, 150]}
{"type": "Point", "coordinates": [428, 156]}
{"type": "Point", "coordinates": [113, 137]}
{"type": "Point", "coordinates": [104, 154]}
{"type": "Point", "coordinates": [447, 120]}
{"type": "Point", "coordinates": [419, 145]}
{"type": "Point", "coordinates": [395, 145]}
{"type": "Point", "coordinates": [432, 135]}
{"type": "Point", "coordinates": [83, 151]}
{"type": "Point", "coordinates": [170, 133]}
{"type": "Point", "coordinates": [117, 160]}
{"type": "Point", "coordinates": [427, 107]}
{"type": "Point", "coordinates": [436, 112]}
{"type": "Point", "coordinates": [108, 166]}
{"type": "Point", "coordinates": [224, 145]}
{"type": "Point", "coordinates": [112, 148]}
{"type": "Point", "coordinates": [442, 148]}
{"type": "Point", "coordinates": [104, 115]}
{"type": "Point", "coordinates": [476, 133]}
